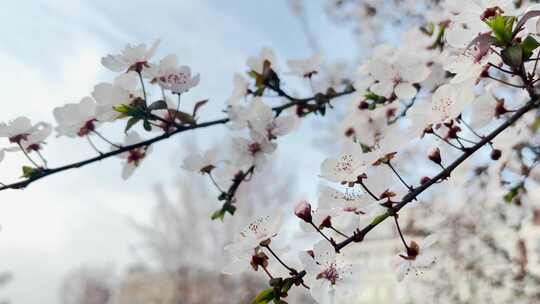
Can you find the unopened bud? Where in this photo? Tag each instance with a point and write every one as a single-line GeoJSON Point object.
{"type": "Point", "coordinates": [258, 258]}
{"type": "Point", "coordinates": [496, 154]}
{"type": "Point", "coordinates": [435, 156]}
{"type": "Point", "coordinates": [363, 105]}
{"type": "Point", "coordinates": [303, 211]}
{"type": "Point", "coordinates": [424, 180]}
{"type": "Point", "coordinates": [500, 109]}
{"type": "Point", "coordinates": [326, 223]}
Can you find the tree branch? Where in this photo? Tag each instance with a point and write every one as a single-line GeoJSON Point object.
{"type": "Point", "coordinates": [42, 172]}
{"type": "Point", "coordinates": [443, 174]}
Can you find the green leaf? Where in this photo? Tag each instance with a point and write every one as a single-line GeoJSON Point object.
{"type": "Point", "coordinates": [130, 111]}
{"type": "Point", "coordinates": [529, 45]}
{"type": "Point", "coordinates": [502, 28]}
{"type": "Point", "coordinates": [513, 193]}
{"type": "Point", "coordinates": [218, 215]}
{"type": "Point", "coordinates": [536, 125]}
{"type": "Point", "coordinates": [513, 56]}
{"type": "Point", "coordinates": [131, 122]}
{"type": "Point", "coordinates": [30, 172]}
{"type": "Point", "coordinates": [287, 284]}
{"type": "Point", "coordinates": [226, 208]}
{"type": "Point", "coordinates": [123, 109]}
{"type": "Point", "coordinates": [264, 296]}
{"type": "Point", "coordinates": [158, 105]}
{"type": "Point", "coordinates": [365, 148]}
{"type": "Point", "coordinates": [374, 97]}
{"type": "Point", "coordinates": [146, 125]}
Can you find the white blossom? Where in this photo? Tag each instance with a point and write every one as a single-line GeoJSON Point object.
{"type": "Point", "coordinates": [170, 76]}
{"type": "Point", "coordinates": [76, 119]}
{"type": "Point", "coordinates": [133, 157]}
{"type": "Point", "coordinates": [305, 67]}
{"type": "Point", "coordinates": [131, 57]}
{"type": "Point", "coordinates": [204, 163]}
{"type": "Point", "coordinates": [330, 281]}
{"type": "Point", "coordinates": [418, 257]}
{"type": "Point", "coordinates": [262, 229]}
{"type": "Point", "coordinates": [347, 167]}
{"type": "Point", "coordinates": [256, 63]}
{"type": "Point", "coordinates": [108, 95]}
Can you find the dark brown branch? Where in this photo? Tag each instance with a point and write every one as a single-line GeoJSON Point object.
{"type": "Point", "coordinates": [42, 172]}
{"type": "Point", "coordinates": [443, 174]}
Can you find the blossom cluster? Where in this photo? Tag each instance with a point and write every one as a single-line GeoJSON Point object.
{"type": "Point", "coordinates": [451, 89]}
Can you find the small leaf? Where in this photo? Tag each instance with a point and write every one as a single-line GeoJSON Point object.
{"type": "Point", "coordinates": [535, 125]}
{"type": "Point", "coordinates": [276, 282]}
{"type": "Point", "coordinates": [264, 296]}
{"type": "Point", "coordinates": [524, 19]}
{"type": "Point", "coordinates": [502, 28]}
{"type": "Point", "coordinates": [158, 105]}
{"type": "Point", "coordinates": [30, 172]}
{"type": "Point", "coordinates": [374, 97]}
{"type": "Point", "coordinates": [198, 105]}
{"type": "Point", "coordinates": [287, 284]}
{"type": "Point", "coordinates": [147, 126]}
{"type": "Point", "coordinates": [220, 214]}
{"type": "Point", "coordinates": [529, 45]}
{"type": "Point", "coordinates": [512, 194]}
{"type": "Point", "coordinates": [131, 122]}
{"type": "Point", "coordinates": [513, 56]}
{"type": "Point", "coordinates": [123, 109]}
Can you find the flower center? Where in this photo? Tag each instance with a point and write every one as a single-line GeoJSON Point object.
{"type": "Point", "coordinates": [88, 127]}
{"type": "Point", "coordinates": [18, 138]}
{"type": "Point", "coordinates": [135, 156]}
{"type": "Point", "coordinates": [330, 274]}
{"type": "Point", "coordinates": [254, 148]}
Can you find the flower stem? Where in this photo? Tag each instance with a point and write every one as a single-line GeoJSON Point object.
{"type": "Point", "coordinates": [28, 156]}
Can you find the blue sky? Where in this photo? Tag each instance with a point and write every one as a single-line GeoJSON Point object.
{"type": "Point", "coordinates": [50, 54]}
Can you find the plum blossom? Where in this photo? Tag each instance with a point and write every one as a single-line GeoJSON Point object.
{"type": "Point", "coordinates": [397, 76]}
{"type": "Point", "coordinates": [471, 63]}
{"type": "Point", "coordinates": [133, 157]}
{"type": "Point", "coordinates": [21, 132]}
{"type": "Point", "coordinates": [204, 163]}
{"type": "Point", "coordinates": [449, 100]}
{"type": "Point", "coordinates": [241, 115]}
{"type": "Point", "coordinates": [170, 76]}
{"type": "Point", "coordinates": [467, 18]}
{"type": "Point", "coordinates": [123, 90]}
{"type": "Point", "coordinates": [256, 63]}
{"type": "Point", "coordinates": [76, 119]}
{"type": "Point", "coordinates": [262, 229]}
{"type": "Point", "coordinates": [131, 58]}
{"type": "Point", "coordinates": [418, 256]}
{"type": "Point", "coordinates": [482, 111]}
{"type": "Point", "coordinates": [347, 167]}
{"type": "Point", "coordinates": [330, 281]}
{"type": "Point", "coordinates": [330, 198]}
{"type": "Point", "coordinates": [253, 151]}
{"type": "Point", "coordinates": [260, 118]}
{"type": "Point", "coordinates": [306, 67]}
{"type": "Point", "coordinates": [240, 89]}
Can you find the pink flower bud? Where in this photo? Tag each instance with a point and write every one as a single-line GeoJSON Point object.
{"type": "Point", "coordinates": [303, 211]}
{"type": "Point", "coordinates": [435, 156]}
{"type": "Point", "coordinates": [424, 180]}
